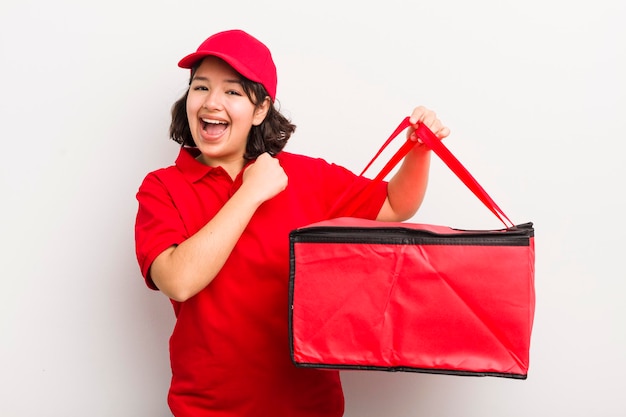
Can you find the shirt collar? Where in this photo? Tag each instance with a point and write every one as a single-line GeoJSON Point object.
{"type": "Point", "coordinates": [195, 170]}
{"type": "Point", "coordinates": [191, 168]}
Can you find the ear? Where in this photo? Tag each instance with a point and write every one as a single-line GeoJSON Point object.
{"type": "Point", "coordinates": [261, 111]}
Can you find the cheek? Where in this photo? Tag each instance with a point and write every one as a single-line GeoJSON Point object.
{"type": "Point", "coordinates": [192, 109]}
{"type": "Point", "coordinates": [190, 105]}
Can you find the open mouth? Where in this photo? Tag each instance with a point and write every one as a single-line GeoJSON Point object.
{"type": "Point", "coordinates": [213, 127]}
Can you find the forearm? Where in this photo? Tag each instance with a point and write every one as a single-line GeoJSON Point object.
{"type": "Point", "coordinates": [407, 188]}
{"type": "Point", "coordinates": [182, 271]}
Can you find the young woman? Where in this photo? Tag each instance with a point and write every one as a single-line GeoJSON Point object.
{"type": "Point", "coordinates": [212, 234]}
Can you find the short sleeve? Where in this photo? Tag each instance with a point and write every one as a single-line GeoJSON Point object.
{"type": "Point", "coordinates": [158, 225]}
{"type": "Point", "coordinates": [332, 188]}
{"type": "Point", "coordinates": [353, 187]}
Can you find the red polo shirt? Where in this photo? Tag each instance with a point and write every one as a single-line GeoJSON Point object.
{"type": "Point", "coordinates": [230, 350]}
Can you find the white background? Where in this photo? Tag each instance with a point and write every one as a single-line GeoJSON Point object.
{"type": "Point", "coordinates": [533, 92]}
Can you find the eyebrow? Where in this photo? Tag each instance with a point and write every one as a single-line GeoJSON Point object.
{"type": "Point", "coordinates": [201, 78]}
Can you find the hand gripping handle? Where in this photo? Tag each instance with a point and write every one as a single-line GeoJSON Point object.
{"type": "Point", "coordinates": [432, 142]}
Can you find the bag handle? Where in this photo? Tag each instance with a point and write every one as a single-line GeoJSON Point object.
{"type": "Point", "coordinates": [431, 141]}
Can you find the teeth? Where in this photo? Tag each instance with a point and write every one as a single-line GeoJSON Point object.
{"type": "Point", "coordinates": [214, 122]}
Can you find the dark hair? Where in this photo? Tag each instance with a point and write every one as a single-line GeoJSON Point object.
{"type": "Point", "coordinates": [270, 136]}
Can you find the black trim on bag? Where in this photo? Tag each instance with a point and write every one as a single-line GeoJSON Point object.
{"type": "Point", "coordinates": [518, 236]}
{"type": "Point", "coordinates": [454, 372]}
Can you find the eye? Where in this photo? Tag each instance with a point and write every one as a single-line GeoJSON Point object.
{"type": "Point", "coordinates": [200, 88]}
{"type": "Point", "coordinates": [233, 92]}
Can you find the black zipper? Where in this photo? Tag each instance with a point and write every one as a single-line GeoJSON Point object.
{"type": "Point", "coordinates": [516, 236]}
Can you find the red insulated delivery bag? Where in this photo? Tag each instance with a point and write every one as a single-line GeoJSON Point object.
{"type": "Point", "coordinates": [413, 297]}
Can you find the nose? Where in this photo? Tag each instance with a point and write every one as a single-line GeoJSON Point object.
{"type": "Point", "coordinates": [212, 101]}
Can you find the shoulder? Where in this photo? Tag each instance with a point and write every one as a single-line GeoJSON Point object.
{"type": "Point", "coordinates": [160, 175]}
{"type": "Point", "coordinates": [303, 162]}
{"type": "Point", "coordinates": [311, 170]}
{"type": "Point", "coordinates": [296, 158]}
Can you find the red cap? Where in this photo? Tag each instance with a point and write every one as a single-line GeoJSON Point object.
{"type": "Point", "coordinates": [246, 54]}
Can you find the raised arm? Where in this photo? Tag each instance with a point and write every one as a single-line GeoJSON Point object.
{"type": "Point", "coordinates": [182, 271]}
{"type": "Point", "coordinates": [407, 187]}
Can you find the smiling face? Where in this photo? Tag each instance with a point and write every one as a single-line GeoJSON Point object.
{"type": "Point", "coordinates": [220, 114]}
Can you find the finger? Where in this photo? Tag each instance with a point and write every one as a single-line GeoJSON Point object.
{"type": "Point", "coordinates": [413, 136]}
{"type": "Point", "coordinates": [442, 133]}
{"type": "Point", "coordinates": [417, 115]}
{"type": "Point", "coordinates": [410, 133]}
{"type": "Point", "coordinates": [429, 119]}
